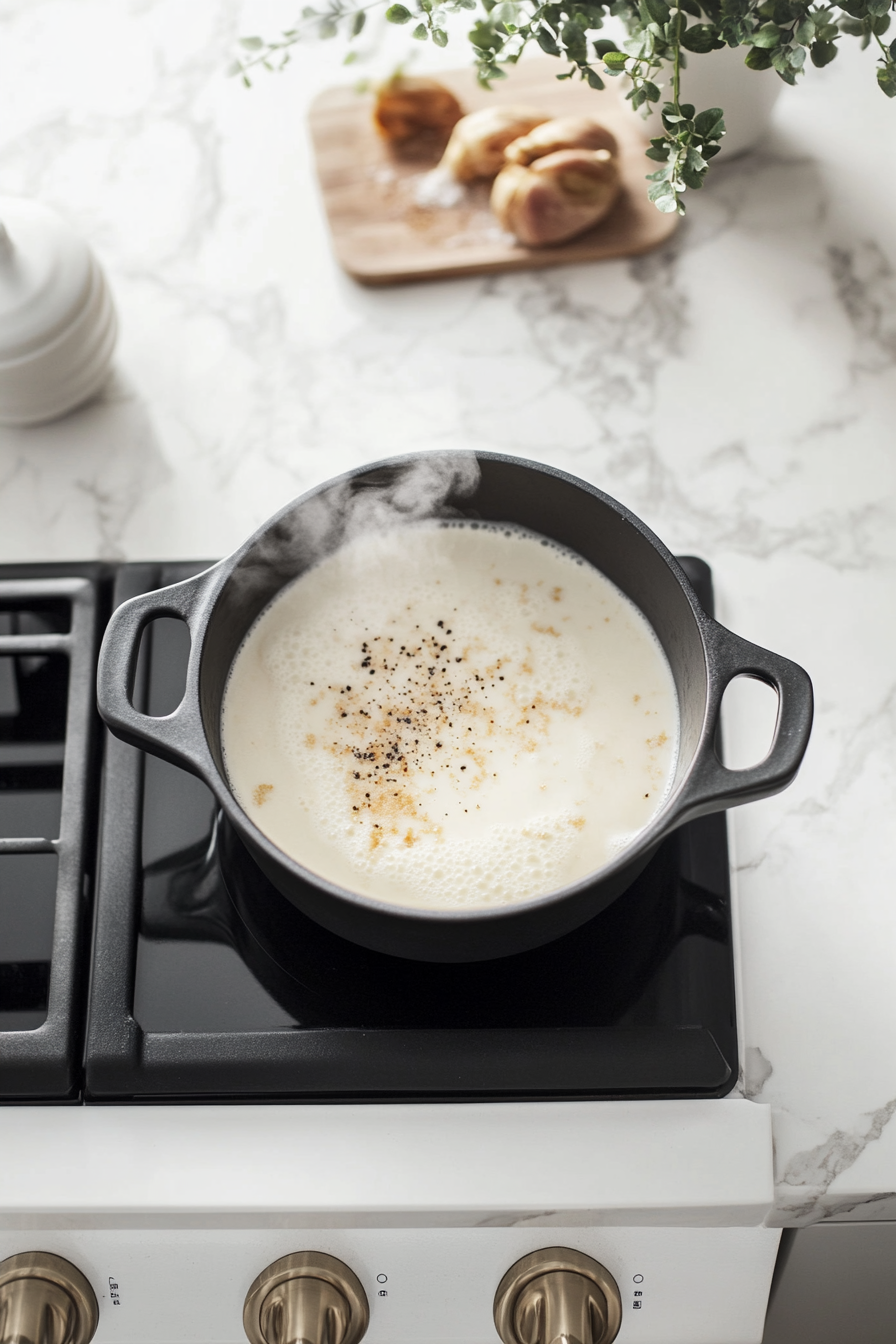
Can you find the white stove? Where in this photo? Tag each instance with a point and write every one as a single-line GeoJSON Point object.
{"type": "Point", "coordinates": [172, 1212]}
{"type": "Point", "coordinates": [537, 1148]}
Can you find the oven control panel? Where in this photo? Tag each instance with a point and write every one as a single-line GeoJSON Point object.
{"type": "Point", "coordinates": [423, 1285]}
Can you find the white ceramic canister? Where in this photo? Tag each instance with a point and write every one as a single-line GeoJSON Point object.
{"type": "Point", "coordinates": [720, 79]}
{"type": "Point", "coordinates": [57, 321]}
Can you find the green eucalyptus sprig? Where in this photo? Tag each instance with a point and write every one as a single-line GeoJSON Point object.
{"type": "Point", "coordinates": [777, 35]}
{"type": "Point", "coordinates": [337, 17]}
{"type": "Point", "coordinates": [690, 139]}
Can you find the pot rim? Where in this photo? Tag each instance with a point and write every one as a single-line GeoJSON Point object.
{"type": "Point", "coordinates": [194, 601]}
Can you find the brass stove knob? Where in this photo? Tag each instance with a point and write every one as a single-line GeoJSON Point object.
{"type": "Point", "coordinates": [306, 1298]}
{"type": "Point", "coordinates": [558, 1296]}
{"type": "Point", "coordinates": [45, 1300]}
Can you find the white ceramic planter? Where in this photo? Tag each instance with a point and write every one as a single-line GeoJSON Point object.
{"type": "Point", "coordinates": [720, 79]}
{"type": "Point", "coordinates": [57, 321]}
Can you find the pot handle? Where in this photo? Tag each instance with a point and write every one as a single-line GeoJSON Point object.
{"type": "Point", "coordinates": [711, 786]}
{"type": "Point", "coordinates": [178, 737]}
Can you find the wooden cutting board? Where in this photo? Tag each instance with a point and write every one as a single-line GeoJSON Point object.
{"type": "Point", "coordinates": [382, 235]}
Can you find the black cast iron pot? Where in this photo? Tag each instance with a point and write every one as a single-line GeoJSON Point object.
{"type": "Point", "coordinates": [220, 605]}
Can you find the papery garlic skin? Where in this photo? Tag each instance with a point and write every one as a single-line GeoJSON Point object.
{"type": "Point", "coordinates": [562, 133]}
{"type": "Point", "coordinates": [477, 144]}
{"type": "Point", "coordinates": [408, 105]}
{"type": "Point", "coordinates": [557, 197]}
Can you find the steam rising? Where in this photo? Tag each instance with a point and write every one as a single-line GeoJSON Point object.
{"type": "Point", "coordinates": [375, 502]}
{"type": "Point", "coordinates": [416, 491]}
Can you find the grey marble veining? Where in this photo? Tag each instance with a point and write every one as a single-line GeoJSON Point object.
{"type": "Point", "coordinates": [808, 1176]}
{"type": "Point", "coordinates": [737, 389]}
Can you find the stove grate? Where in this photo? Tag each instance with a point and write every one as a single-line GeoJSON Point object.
{"type": "Point", "coordinates": [49, 621]}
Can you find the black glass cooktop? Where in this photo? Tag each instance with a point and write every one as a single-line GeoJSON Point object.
{"type": "Point", "coordinates": [230, 991]}
{"type": "Point", "coordinates": [206, 983]}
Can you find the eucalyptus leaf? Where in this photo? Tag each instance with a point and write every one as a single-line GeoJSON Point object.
{"type": "Point", "coordinates": [675, 28]}
{"type": "Point", "coordinates": [573, 37]}
{"type": "Point", "coordinates": [768, 36]}
{"type": "Point", "coordinates": [886, 78]}
{"type": "Point", "coordinates": [481, 36]}
{"type": "Point", "coordinates": [700, 37]}
{"type": "Point", "coordinates": [658, 10]}
{"type": "Point", "coordinates": [781, 64]}
{"type": "Point", "coordinates": [710, 124]}
{"type": "Point", "coordinates": [822, 53]}
{"type": "Point", "coordinates": [547, 41]}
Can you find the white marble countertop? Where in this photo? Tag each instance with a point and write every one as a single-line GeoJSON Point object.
{"type": "Point", "coordinates": [736, 389]}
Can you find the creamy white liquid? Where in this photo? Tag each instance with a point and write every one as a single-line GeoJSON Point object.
{"type": "Point", "coordinates": [451, 716]}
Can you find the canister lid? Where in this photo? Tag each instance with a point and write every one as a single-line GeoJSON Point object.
{"type": "Point", "coordinates": [45, 275]}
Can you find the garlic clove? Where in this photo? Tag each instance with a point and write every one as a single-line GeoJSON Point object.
{"type": "Point", "coordinates": [477, 144]}
{"type": "Point", "coordinates": [556, 198]}
{"type": "Point", "coordinates": [561, 133]}
{"type": "Point", "coordinates": [407, 106]}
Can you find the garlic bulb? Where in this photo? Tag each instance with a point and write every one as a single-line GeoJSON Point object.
{"type": "Point", "coordinates": [561, 133]}
{"type": "Point", "coordinates": [476, 147]}
{"type": "Point", "coordinates": [407, 106]}
{"type": "Point", "coordinates": [557, 197]}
